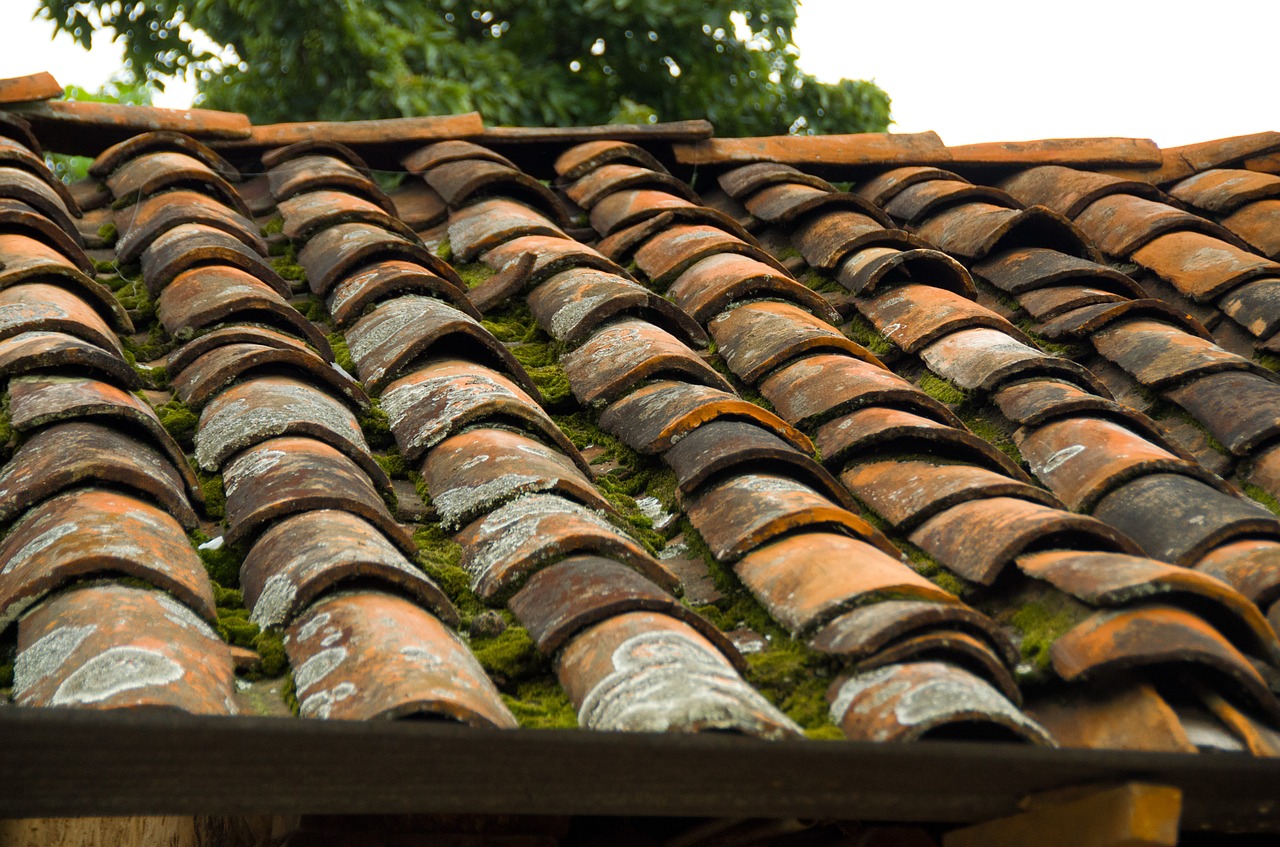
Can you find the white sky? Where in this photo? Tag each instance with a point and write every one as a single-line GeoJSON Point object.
{"type": "Point", "coordinates": [983, 70]}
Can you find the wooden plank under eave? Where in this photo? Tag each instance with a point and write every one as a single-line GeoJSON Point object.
{"type": "Point", "coordinates": [416, 130]}
{"type": "Point", "coordinates": [86, 129]}
{"type": "Point", "coordinates": [676, 131]}
{"type": "Point", "coordinates": [1087, 153]}
{"type": "Point", "coordinates": [28, 89]}
{"type": "Point", "coordinates": [859, 150]}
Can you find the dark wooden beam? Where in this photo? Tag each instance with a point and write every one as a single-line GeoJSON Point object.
{"type": "Point", "coordinates": [67, 762]}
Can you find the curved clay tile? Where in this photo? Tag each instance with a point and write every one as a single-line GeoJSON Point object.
{"type": "Point", "coordinates": [608, 179]}
{"type": "Point", "coordinates": [1022, 269]}
{"type": "Point", "coordinates": [756, 338]}
{"type": "Point", "coordinates": [1120, 223]}
{"type": "Point", "coordinates": [418, 205]}
{"type": "Point", "coordinates": [627, 352]}
{"type": "Point", "coordinates": [864, 631]}
{"type": "Point", "coordinates": [573, 303]}
{"type": "Point", "coordinates": [283, 476]}
{"type": "Point", "coordinates": [159, 141]}
{"type": "Point", "coordinates": [538, 530]}
{"type": "Point", "coordinates": [17, 155]}
{"type": "Point", "coordinates": [913, 316]}
{"type": "Point", "coordinates": [827, 239]}
{"type": "Point", "coordinates": [1160, 355]}
{"type": "Point", "coordinates": [626, 209]}
{"type": "Point", "coordinates": [1256, 224]}
{"type": "Point", "coordinates": [369, 655]}
{"type": "Point", "coordinates": [742, 513]}
{"type": "Point", "coordinates": [155, 215]}
{"type": "Point", "coordinates": [957, 648]}
{"type": "Point", "coordinates": [671, 252]}
{"type": "Point", "coordinates": [747, 180]}
{"type": "Point", "coordinates": [268, 406]}
{"type": "Point", "coordinates": [308, 213]}
{"type": "Point", "coordinates": [919, 201]}
{"type": "Point", "coordinates": [785, 204]}
{"type": "Point", "coordinates": [111, 647]}
{"type": "Point", "coordinates": [27, 260]}
{"type": "Point", "coordinates": [156, 172]}
{"type": "Point", "coordinates": [67, 455]}
{"type": "Point", "coordinates": [201, 380]}
{"type": "Point", "coordinates": [93, 532]}
{"type": "Point", "coordinates": [908, 492]}
{"type": "Point", "coordinates": [461, 181]}
{"type": "Point", "coordinates": [869, 432]}
{"type": "Point", "coordinates": [711, 285]}
{"type": "Point", "coordinates": [41, 351]}
{"type": "Point", "coordinates": [526, 262]}
{"type": "Point", "coordinates": [209, 295]}
{"type": "Point", "coordinates": [1082, 459]}
{"type": "Point", "coordinates": [1179, 519]}
{"type": "Point", "coordinates": [979, 538]}
{"type": "Point", "coordinates": [311, 554]}
{"type": "Point", "coordinates": [475, 471]}
{"type": "Point", "coordinates": [863, 271]}
{"type": "Point", "coordinates": [974, 230]}
{"type": "Point", "coordinates": [396, 333]}
{"type": "Point", "coordinates": [1223, 190]}
{"type": "Point", "coordinates": [183, 356]}
{"type": "Point", "coordinates": [344, 249]}
{"type": "Point", "coordinates": [19, 218]}
{"type": "Point", "coordinates": [314, 147]}
{"type": "Point", "coordinates": [825, 385]}
{"type": "Point", "coordinates": [624, 238]}
{"type": "Point", "coordinates": [443, 152]}
{"type": "Point", "coordinates": [188, 245]}
{"type": "Point", "coordinates": [1047, 304]}
{"type": "Point", "coordinates": [18, 184]}
{"type": "Point", "coordinates": [721, 447]}
{"type": "Point", "coordinates": [1242, 410]}
{"type": "Point", "coordinates": [37, 401]}
{"type": "Point", "coordinates": [1040, 401]}
{"type": "Point", "coordinates": [560, 601]}
{"type": "Point", "coordinates": [310, 173]}
{"type": "Point", "coordinates": [379, 281]}
{"type": "Point", "coordinates": [1117, 715]}
{"type": "Point", "coordinates": [488, 223]}
{"type": "Point", "coordinates": [441, 398]}
{"type": "Point", "coordinates": [1251, 567]}
{"type": "Point", "coordinates": [911, 702]}
{"type": "Point", "coordinates": [1255, 306]}
{"type": "Point", "coordinates": [581, 159]}
{"type": "Point", "coordinates": [1068, 191]}
{"type": "Point", "coordinates": [883, 188]}
{"type": "Point", "coordinates": [653, 418]}
{"type": "Point", "coordinates": [646, 672]}
{"type": "Point", "coordinates": [988, 359]}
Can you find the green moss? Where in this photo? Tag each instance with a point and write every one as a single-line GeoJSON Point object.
{"type": "Point", "coordinates": [273, 226]}
{"type": "Point", "coordinates": [474, 273]}
{"type": "Point", "coordinates": [376, 427]}
{"type": "Point", "coordinates": [289, 693]}
{"type": "Point", "coordinates": [1162, 410]}
{"type": "Point", "coordinates": [215, 498]}
{"type": "Point", "coordinates": [179, 421]}
{"type": "Point", "coordinates": [393, 464]}
{"type": "Point", "coordinates": [1267, 360]}
{"type": "Point", "coordinates": [439, 557]}
{"type": "Point", "coordinates": [445, 250]}
{"type": "Point", "coordinates": [541, 704]}
{"type": "Point", "coordinates": [787, 253]}
{"type": "Point", "coordinates": [1063, 349]}
{"type": "Point", "coordinates": [312, 308]}
{"type": "Point", "coordinates": [1040, 625]}
{"type": "Point", "coordinates": [929, 568]}
{"type": "Point", "coordinates": [6, 426]}
{"type": "Point", "coordinates": [108, 233]}
{"type": "Point", "coordinates": [1261, 495]}
{"type": "Point", "coordinates": [943, 390]}
{"type": "Point", "coordinates": [822, 283]}
{"type": "Point", "coordinates": [860, 330]}
{"type": "Point", "coordinates": [341, 353]}
{"type": "Point", "coordinates": [288, 268]}
{"type": "Point", "coordinates": [514, 324]}
{"type": "Point", "coordinates": [103, 267]}
{"type": "Point", "coordinates": [270, 646]}
{"type": "Point", "coordinates": [222, 564]}
{"type": "Point", "coordinates": [157, 344]}
{"type": "Point", "coordinates": [1039, 614]}
{"type": "Point", "coordinates": [982, 426]}
{"type": "Point", "coordinates": [541, 362]}
{"type": "Point", "coordinates": [510, 656]}
{"type": "Point", "coordinates": [133, 295]}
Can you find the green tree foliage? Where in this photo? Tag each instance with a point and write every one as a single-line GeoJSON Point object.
{"type": "Point", "coordinates": [519, 62]}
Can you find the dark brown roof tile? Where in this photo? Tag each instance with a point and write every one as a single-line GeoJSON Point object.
{"type": "Point", "coordinates": [864, 631]}
{"type": "Point", "coordinates": [18, 155]}
{"type": "Point", "coordinates": [757, 338]}
{"type": "Point", "coordinates": [475, 471]}
{"type": "Point", "coordinates": [1241, 409]}
{"type": "Point", "coordinates": [917, 202]}
{"type": "Point", "coordinates": [88, 533]}
{"type": "Point", "coordinates": [584, 158]}
{"type": "Point", "coordinates": [525, 262]}
{"type": "Point", "coordinates": [315, 147]}
{"type": "Point", "coordinates": [787, 203]}
{"type": "Point", "coordinates": [504, 548]}
{"type": "Point", "coordinates": [380, 281]}
{"type": "Point", "coordinates": [443, 152]}
{"type": "Point", "coordinates": [29, 260]}
{"type": "Point", "coordinates": [469, 179]}
{"type": "Point", "coordinates": [159, 141]}
{"type": "Point", "coordinates": [1115, 715]}
{"type": "Point", "coordinates": [671, 252]}
{"type": "Point", "coordinates": [1026, 269]}
{"type": "Point", "coordinates": [608, 179]}
{"type": "Point", "coordinates": [908, 492]}
{"type": "Point", "coordinates": [656, 416]}
{"type": "Point", "coordinates": [311, 173]}
{"type": "Point", "coordinates": [44, 351]}
{"type": "Point", "coordinates": [1037, 402]}
{"type": "Point", "coordinates": [64, 455]}
{"type": "Point", "coordinates": [307, 213]}
{"type": "Point", "coordinates": [343, 249]}
{"type": "Point", "coordinates": [188, 245]}
{"type": "Point", "coordinates": [418, 205]}
{"type": "Point", "coordinates": [441, 398]}
{"type": "Point", "coordinates": [1179, 519]}
{"type": "Point", "coordinates": [987, 359]}
{"type": "Point", "coordinates": [369, 655]}
{"type": "Point", "coordinates": [747, 180]}
{"type": "Point", "coordinates": [1255, 305]}
{"type": "Point", "coordinates": [310, 554]}
{"type": "Point", "coordinates": [1046, 304]}
{"type": "Point", "coordinates": [910, 701]}
{"type": "Point", "coordinates": [974, 230]}
{"type": "Point", "coordinates": [19, 218]}
{"type": "Point", "coordinates": [863, 271]}
{"type": "Point", "coordinates": [200, 380]}
{"type": "Point", "coordinates": [645, 671]}
{"type": "Point", "coordinates": [111, 647]}
{"type": "Point", "coordinates": [153, 216]}
{"type": "Point", "coordinates": [560, 601]}
{"type": "Point", "coordinates": [287, 475]}
{"type": "Point", "coordinates": [826, 384]}
{"type": "Point", "coordinates": [1251, 567]}
{"type": "Point", "coordinates": [957, 648]}
{"type": "Point", "coordinates": [156, 172]}
{"type": "Point", "coordinates": [740, 514]}
{"type": "Point", "coordinates": [716, 282]}
{"type": "Point", "coordinates": [1068, 191]}
{"type": "Point", "coordinates": [484, 225]}
{"type": "Point", "coordinates": [21, 185]}
{"type": "Point", "coordinates": [628, 351]}
{"type": "Point", "coordinates": [574, 303]}
{"type": "Point", "coordinates": [913, 316]}
{"type": "Point", "coordinates": [1119, 224]}
{"type": "Point", "coordinates": [626, 209]}
{"type": "Point", "coordinates": [1159, 355]}
{"type": "Point", "coordinates": [978, 539]}
{"type": "Point", "coordinates": [827, 239]}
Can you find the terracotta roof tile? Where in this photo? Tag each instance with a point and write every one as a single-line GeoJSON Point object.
{"type": "Point", "coordinates": [573, 304]}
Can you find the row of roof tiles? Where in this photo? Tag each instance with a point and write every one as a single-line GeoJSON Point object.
{"type": "Point", "coordinates": [630, 656]}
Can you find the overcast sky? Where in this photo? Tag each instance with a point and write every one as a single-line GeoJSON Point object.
{"type": "Point", "coordinates": [983, 70]}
